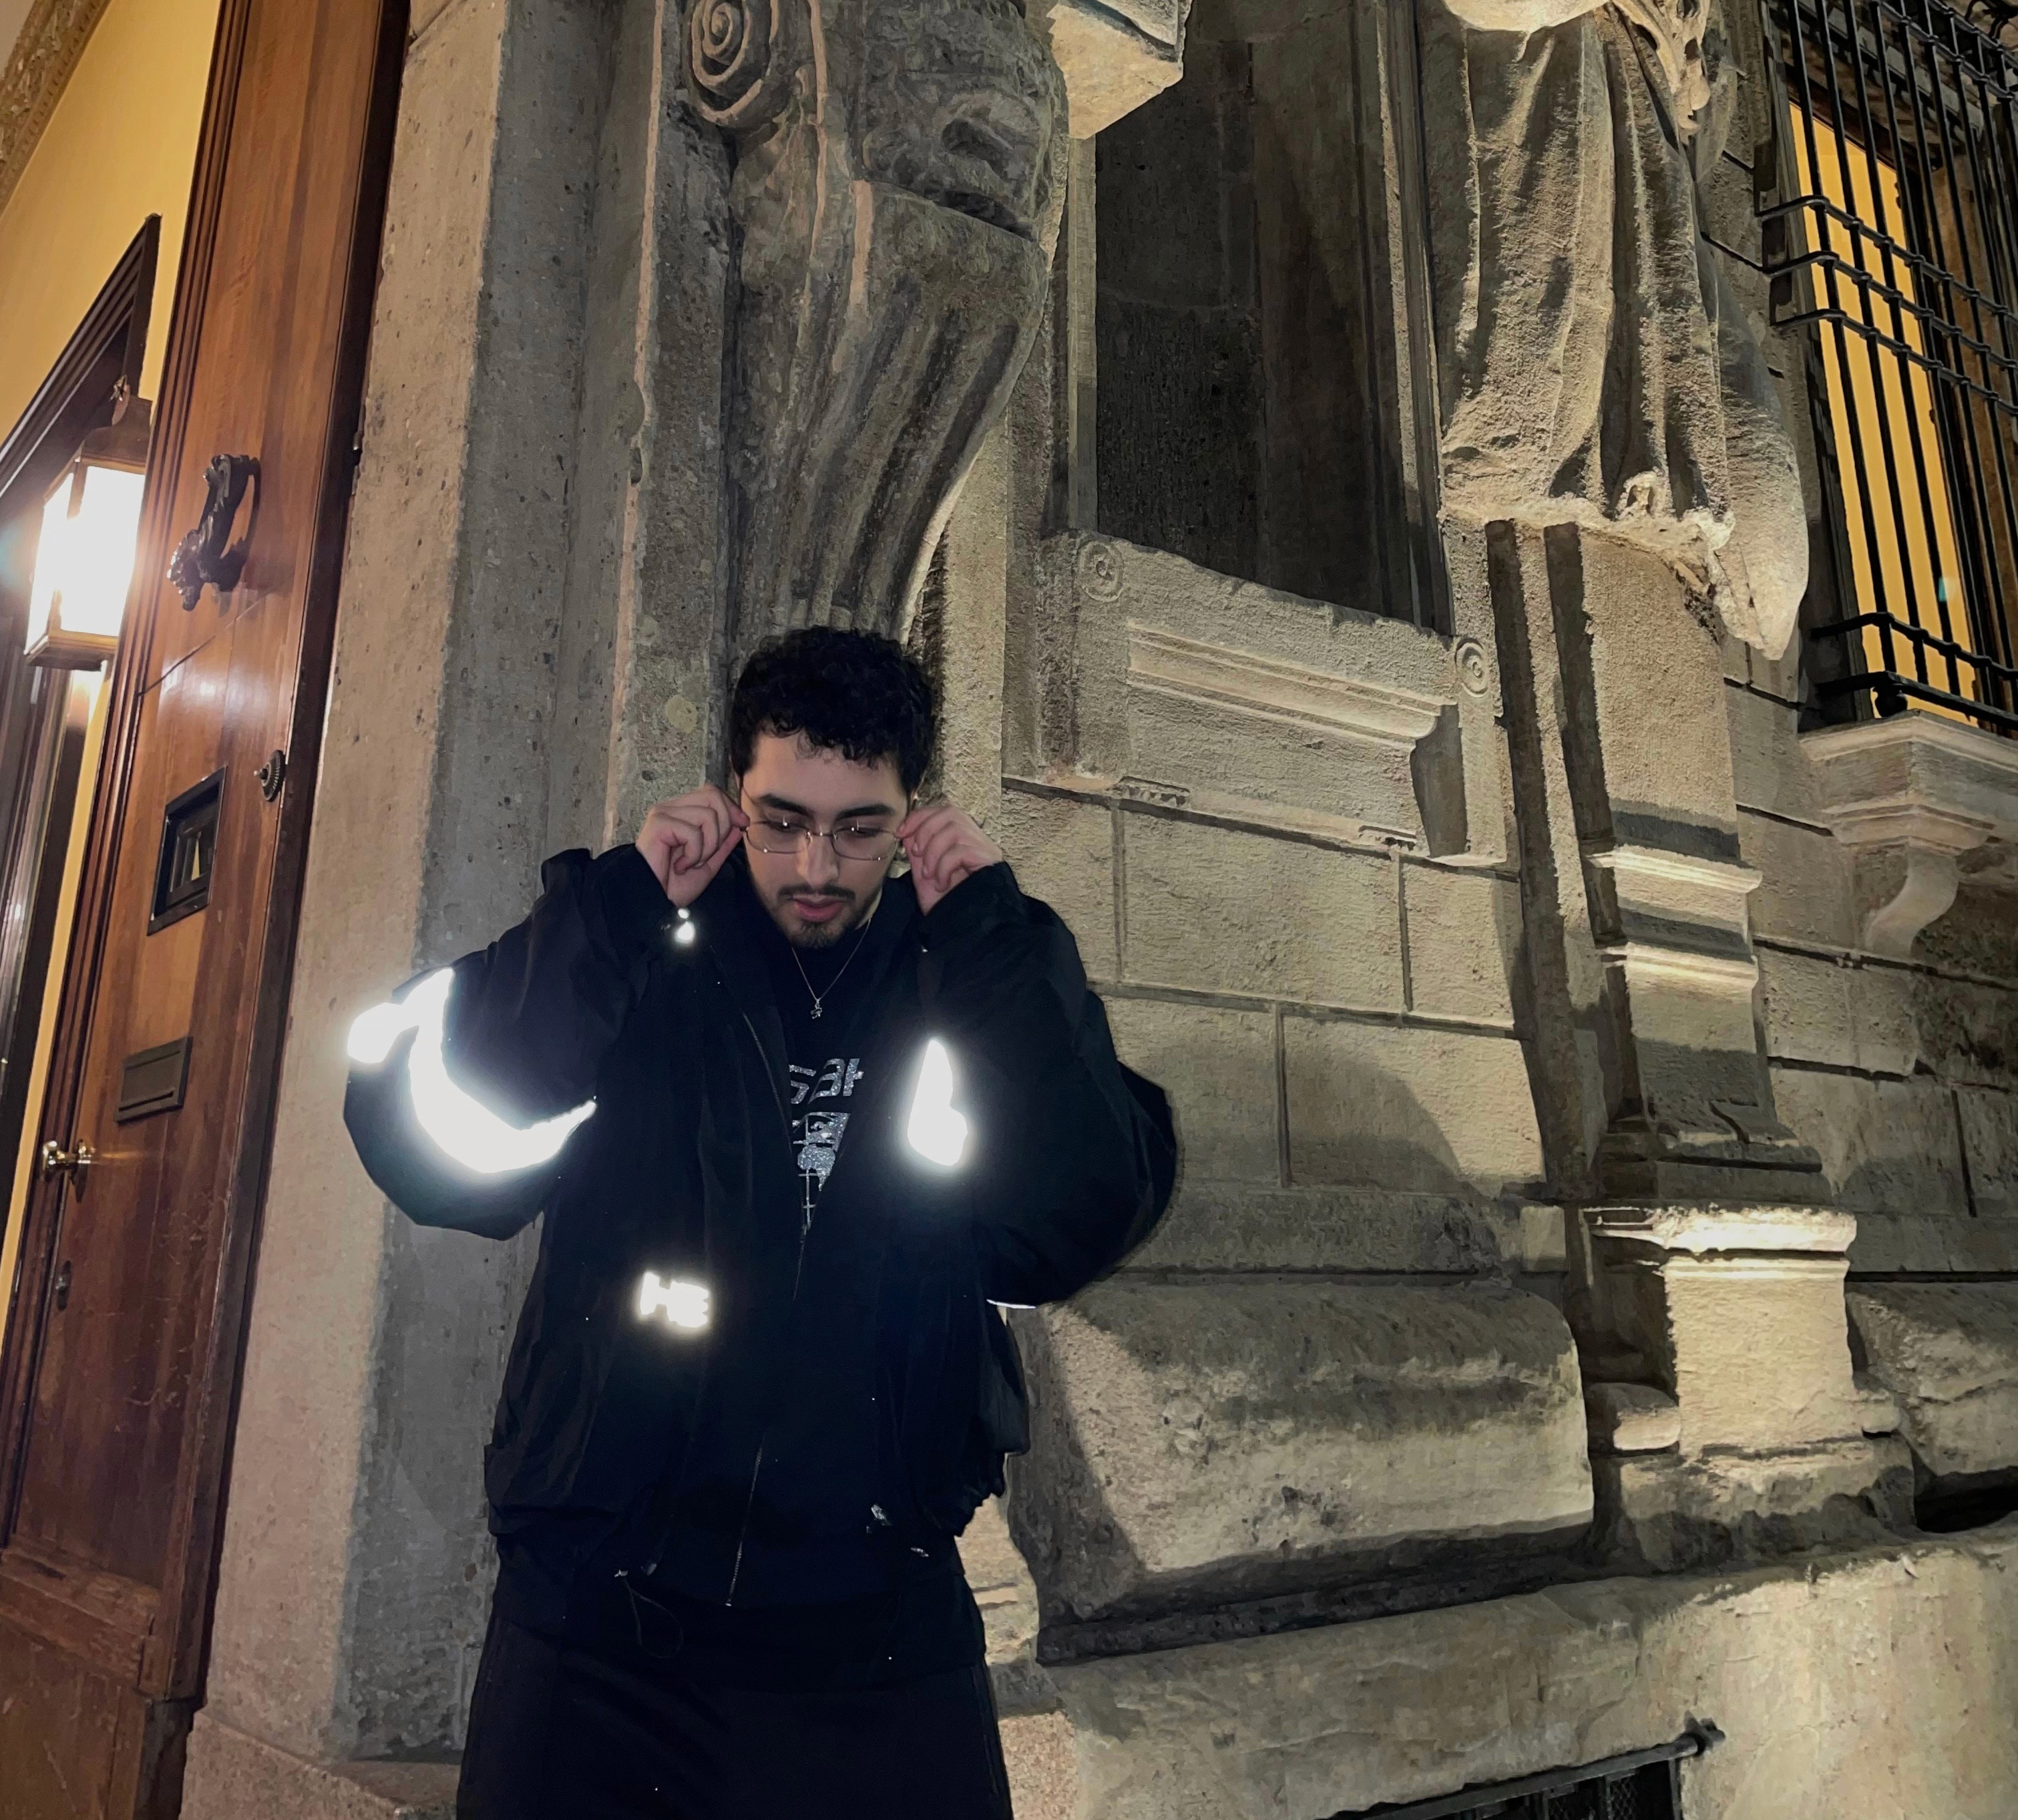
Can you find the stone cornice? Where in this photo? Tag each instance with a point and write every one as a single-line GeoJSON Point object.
{"type": "Point", "coordinates": [52, 39]}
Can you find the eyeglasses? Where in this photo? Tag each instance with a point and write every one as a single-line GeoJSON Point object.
{"type": "Point", "coordinates": [852, 841]}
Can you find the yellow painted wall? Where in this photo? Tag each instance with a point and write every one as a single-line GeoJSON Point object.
{"type": "Point", "coordinates": [119, 147]}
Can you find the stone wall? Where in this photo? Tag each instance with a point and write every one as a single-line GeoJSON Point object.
{"type": "Point", "coordinates": [1529, 983]}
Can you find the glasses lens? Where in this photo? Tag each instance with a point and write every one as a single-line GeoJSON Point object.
{"type": "Point", "coordinates": [864, 843]}
{"type": "Point", "coordinates": [779, 837]}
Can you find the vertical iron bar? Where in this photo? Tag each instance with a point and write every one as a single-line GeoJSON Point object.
{"type": "Point", "coordinates": [1827, 228]}
{"type": "Point", "coordinates": [1874, 352]}
{"type": "Point", "coordinates": [1977, 289]}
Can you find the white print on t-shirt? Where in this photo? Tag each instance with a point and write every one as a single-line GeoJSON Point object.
{"type": "Point", "coordinates": [817, 1131]}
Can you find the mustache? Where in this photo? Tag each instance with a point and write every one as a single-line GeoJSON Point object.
{"type": "Point", "coordinates": [794, 892]}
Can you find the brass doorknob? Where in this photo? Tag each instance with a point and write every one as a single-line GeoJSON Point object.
{"type": "Point", "coordinates": [58, 1161]}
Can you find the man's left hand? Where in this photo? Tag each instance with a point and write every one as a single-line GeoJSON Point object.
{"type": "Point", "coordinates": [944, 845]}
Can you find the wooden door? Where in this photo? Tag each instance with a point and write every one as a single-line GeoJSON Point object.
{"type": "Point", "coordinates": [119, 1377]}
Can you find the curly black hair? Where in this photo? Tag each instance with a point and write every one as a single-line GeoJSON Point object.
{"type": "Point", "coordinates": [857, 693]}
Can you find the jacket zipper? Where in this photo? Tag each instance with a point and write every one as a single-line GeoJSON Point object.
{"type": "Point", "coordinates": [757, 1466]}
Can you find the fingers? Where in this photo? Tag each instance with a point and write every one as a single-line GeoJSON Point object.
{"type": "Point", "coordinates": [687, 838]}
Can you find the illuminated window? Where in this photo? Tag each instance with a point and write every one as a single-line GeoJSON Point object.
{"type": "Point", "coordinates": [1888, 212]}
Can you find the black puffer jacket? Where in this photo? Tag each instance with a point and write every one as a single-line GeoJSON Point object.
{"type": "Point", "coordinates": [685, 1169]}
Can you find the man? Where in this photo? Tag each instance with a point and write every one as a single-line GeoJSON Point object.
{"type": "Point", "coordinates": [794, 1122]}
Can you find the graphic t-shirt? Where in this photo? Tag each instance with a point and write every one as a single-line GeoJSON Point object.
{"type": "Point", "coordinates": [823, 1061]}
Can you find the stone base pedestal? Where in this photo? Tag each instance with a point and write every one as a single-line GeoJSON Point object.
{"type": "Point", "coordinates": [1734, 1316]}
{"type": "Point", "coordinates": [1658, 1513]}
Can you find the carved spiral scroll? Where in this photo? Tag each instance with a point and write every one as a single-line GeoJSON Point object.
{"type": "Point", "coordinates": [737, 54]}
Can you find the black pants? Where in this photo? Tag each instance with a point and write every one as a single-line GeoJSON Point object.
{"type": "Point", "coordinates": [560, 1730]}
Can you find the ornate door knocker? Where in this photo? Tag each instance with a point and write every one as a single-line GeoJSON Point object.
{"type": "Point", "coordinates": [207, 556]}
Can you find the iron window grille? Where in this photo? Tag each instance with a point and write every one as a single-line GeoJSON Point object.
{"type": "Point", "coordinates": [1642, 1784]}
{"type": "Point", "coordinates": [1888, 196]}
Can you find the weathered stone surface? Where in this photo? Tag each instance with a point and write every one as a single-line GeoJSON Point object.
{"type": "Point", "coordinates": [1220, 1066]}
{"type": "Point", "coordinates": [1002, 1586]}
{"type": "Point", "coordinates": [1114, 59]}
{"type": "Point", "coordinates": [1909, 796]}
{"type": "Point", "coordinates": [234, 1776]}
{"type": "Point", "coordinates": [1887, 1146]}
{"type": "Point", "coordinates": [1884, 1004]}
{"type": "Point", "coordinates": [1968, 1029]}
{"type": "Point", "coordinates": [1990, 1145]}
{"type": "Point", "coordinates": [1218, 908]}
{"type": "Point", "coordinates": [1804, 891]}
{"type": "Point", "coordinates": [1560, 203]}
{"type": "Point", "coordinates": [1698, 1296]}
{"type": "Point", "coordinates": [1805, 1001]}
{"type": "Point", "coordinates": [1630, 1418]}
{"type": "Point", "coordinates": [1432, 1111]}
{"type": "Point", "coordinates": [1463, 934]}
{"type": "Point", "coordinates": [1061, 849]}
{"type": "Point", "coordinates": [1889, 1244]}
{"type": "Point", "coordinates": [899, 186]}
{"type": "Point", "coordinates": [1332, 1720]}
{"type": "Point", "coordinates": [1769, 765]}
{"type": "Point", "coordinates": [1221, 1225]}
{"type": "Point", "coordinates": [1669, 1513]}
{"type": "Point", "coordinates": [1203, 1442]}
{"type": "Point", "coordinates": [1949, 1352]}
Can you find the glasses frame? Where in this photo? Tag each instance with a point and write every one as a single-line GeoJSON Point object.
{"type": "Point", "coordinates": [810, 834]}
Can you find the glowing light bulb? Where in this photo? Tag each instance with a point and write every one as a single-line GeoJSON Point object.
{"type": "Point", "coordinates": [683, 1305]}
{"type": "Point", "coordinates": [461, 1126]}
{"type": "Point", "coordinates": [937, 1132]}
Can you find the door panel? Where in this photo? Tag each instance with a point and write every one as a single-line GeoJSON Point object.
{"type": "Point", "coordinates": [120, 1373]}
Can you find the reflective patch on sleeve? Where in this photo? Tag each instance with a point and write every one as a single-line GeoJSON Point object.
{"type": "Point", "coordinates": [934, 1129]}
{"type": "Point", "coordinates": [683, 1305]}
{"type": "Point", "coordinates": [462, 1127]}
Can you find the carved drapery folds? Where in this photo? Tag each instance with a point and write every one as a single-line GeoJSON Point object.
{"type": "Point", "coordinates": [1596, 368]}
{"type": "Point", "coordinates": [899, 183]}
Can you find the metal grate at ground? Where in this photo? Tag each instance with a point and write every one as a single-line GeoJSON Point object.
{"type": "Point", "coordinates": [1889, 205]}
{"type": "Point", "coordinates": [1644, 1785]}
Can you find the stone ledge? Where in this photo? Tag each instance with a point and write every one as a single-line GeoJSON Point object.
{"type": "Point", "coordinates": [1402, 1709]}
{"type": "Point", "coordinates": [1198, 1444]}
{"type": "Point", "coordinates": [1948, 1353]}
{"type": "Point", "coordinates": [232, 1776]}
{"type": "Point", "coordinates": [1908, 796]}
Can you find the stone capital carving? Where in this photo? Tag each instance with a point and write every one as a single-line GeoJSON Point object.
{"type": "Point", "coordinates": [898, 188]}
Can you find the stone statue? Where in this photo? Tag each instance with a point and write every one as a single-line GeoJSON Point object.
{"type": "Point", "coordinates": [899, 178]}
{"type": "Point", "coordinates": [1596, 368]}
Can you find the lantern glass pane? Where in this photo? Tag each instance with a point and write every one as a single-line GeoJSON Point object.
{"type": "Point", "coordinates": [98, 556]}
{"type": "Point", "coordinates": [48, 560]}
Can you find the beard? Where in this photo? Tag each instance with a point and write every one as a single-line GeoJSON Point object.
{"type": "Point", "coordinates": [815, 938]}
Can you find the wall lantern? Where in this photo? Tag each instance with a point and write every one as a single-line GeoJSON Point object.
{"type": "Point", "coordinates": [84, 558]}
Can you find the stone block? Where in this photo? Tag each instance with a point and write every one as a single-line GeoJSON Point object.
{"type": "Point", "coordinates": [1804, 891]}
{"type": "Point", "coordinates": [1221, 1225]}
{"type": "Point", "coordinates": [1668, 1513]}
{"type": "Point", "coordinates": [1219, 1068]}
{"type": "Point", "coordinates": [1463, 931]}
{"type": "Point", "coordinates": [1804, 1000]}
{"type": "Point", "coordinates": [1222, 909]}
{"type": "Point", "coordinates": [1061, 849]}
{"type": "Point", "coordinates": [1336, 1718]}
{"type": "Point", "coordinates": [1887, 1146]}
{"type": "Point", "coordinates": [1769, 767]}
{"type": "Point", "coordinates": [1949, 1352]}
{"type": "Point", "coordinates": [1884, 1006]}
{"type": "Point", "coordinates": [1630, 1418]}
{"type": "Point", "coordinates": [1002, 1587]}
{"type": "Point", "coordinates": [1990, 1145]}
{"type": "Point", "coordinates": [1896, 1244]}
{"type": "Point", "coordinates": [1199, 1443]}
{"type": "Point", "coordinates": [1412, 1108]}
{"type": "Point", "coordinates": [1968, 1029]}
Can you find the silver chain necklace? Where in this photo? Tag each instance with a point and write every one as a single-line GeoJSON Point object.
{"type": "Point", "coordinates": [816, 997]}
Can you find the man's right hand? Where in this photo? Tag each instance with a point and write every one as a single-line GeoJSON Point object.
{"type": "Point", "coordinates": [686, 838]}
